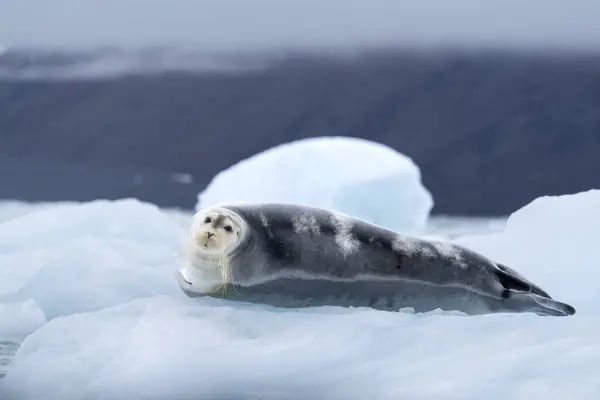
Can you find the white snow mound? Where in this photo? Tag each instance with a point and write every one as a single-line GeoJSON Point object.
{"type": "Point", "coordinates": [357, 177]}
{"type": "Point", "coordinates": [119, 328]}
{"type": "Point", "coordinates": [553, 241]}
{"type": "Point", "coordinates": [79, 258]}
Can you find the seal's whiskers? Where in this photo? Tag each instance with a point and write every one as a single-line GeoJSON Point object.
{"type": "Point", "coordinates": [221, 262]}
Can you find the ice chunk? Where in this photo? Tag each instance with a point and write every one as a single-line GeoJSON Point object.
{"type": "Point", "coordinates": [19, 319]}
{"type": "Point", "coordinates": [358, 177]}
{"type": "Point", "coordinates": [174, 347]}
{"type": "Point", "coordinates": [554, 242]}
{"type": "Point", "coordinates": [10, 209]}
{"type": "Point", "coordinates": [90, 256]}
{"type": "Point", "coordinates": [124, 329]}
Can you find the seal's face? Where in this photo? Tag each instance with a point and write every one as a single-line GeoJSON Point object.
{"type": "Point", "coordinates": [216, 231]}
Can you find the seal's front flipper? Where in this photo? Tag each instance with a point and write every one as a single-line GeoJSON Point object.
{"type": "Point", "coordinates": [531, 302]}
{"type": "Point", "coordinates": [185, 284]}
{"type": "Point", "coordinates": [182, 280]}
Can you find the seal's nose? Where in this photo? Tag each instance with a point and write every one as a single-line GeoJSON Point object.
{"type": "Point", "coordinates": [210, 234]}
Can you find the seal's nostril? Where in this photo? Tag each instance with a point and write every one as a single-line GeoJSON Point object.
{"type": "Point", "coordinates": [210, 234]}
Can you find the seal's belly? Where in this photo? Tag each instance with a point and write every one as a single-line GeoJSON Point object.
{"type": "Point", "coordinates": [381, 295]}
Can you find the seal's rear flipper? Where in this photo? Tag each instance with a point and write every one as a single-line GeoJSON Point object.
{"type": "Point", "coordinates": [531, 302]}
{"type": "Point", "coordinates": [512, 280]}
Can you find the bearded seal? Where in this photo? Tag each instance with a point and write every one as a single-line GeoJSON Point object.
{"type": "Point", "coordinates": [288, 255]}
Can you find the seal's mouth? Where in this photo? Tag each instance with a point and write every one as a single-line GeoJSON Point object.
{"type": "Point", "coordinates": [206, 242]}
{"type": "Point", "coordinates": [210, 245]}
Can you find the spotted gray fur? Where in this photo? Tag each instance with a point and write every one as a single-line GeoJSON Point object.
{"type": "Point", "coordinates": [296, 256]}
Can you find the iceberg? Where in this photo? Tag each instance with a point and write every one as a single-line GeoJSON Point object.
{"type": "Point", "coordinates": [353, 176]}
{"type": "Point", "coordinates": [88, 293]}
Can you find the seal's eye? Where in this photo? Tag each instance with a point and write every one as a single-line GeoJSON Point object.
{"type": "Point", "coordinates": [207, 220]}
{"type": "Point", "coordinates": [228, 228]}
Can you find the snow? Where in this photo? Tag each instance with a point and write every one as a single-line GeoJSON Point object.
{"type": "Point", "coordinates": [353, 176]}
{"type": "Point", "coordinates": [90, 288]}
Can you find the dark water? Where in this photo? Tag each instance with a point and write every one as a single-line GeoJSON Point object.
{"type": "Point", "coordinates": [490, 131]}
{"type": "Point", "coordinates": [7, 351]}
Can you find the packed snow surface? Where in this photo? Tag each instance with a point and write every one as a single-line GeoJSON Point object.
{"type": "Point", "coordinates": [89, 291]}
{"type": "Point", "coordinates": [353, 176]}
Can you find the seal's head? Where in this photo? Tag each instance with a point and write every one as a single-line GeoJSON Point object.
{"type": "Point", "coordinates": [216, 231]}
{"type": "Point", "coordinates": [214, 235]}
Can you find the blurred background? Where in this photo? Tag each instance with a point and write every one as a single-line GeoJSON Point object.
{"type": "Point", "coordinates": [497, 102]}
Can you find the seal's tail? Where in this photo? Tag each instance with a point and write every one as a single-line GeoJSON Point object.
{"type": "Point", "coordinates": [511, 279]}
{"type": "Point", "coordinates": [531, 302]}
